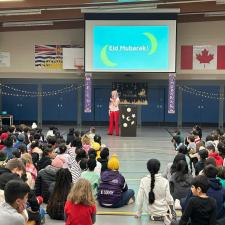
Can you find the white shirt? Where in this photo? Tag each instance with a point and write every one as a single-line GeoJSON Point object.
{"type": "Point", "coordinates": [163, 197]}
{"type": "Point", "coordinates": [114, 104]}
{"type": "Point", "coordinates": [98, 167]}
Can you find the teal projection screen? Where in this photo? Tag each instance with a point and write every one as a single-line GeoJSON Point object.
{"type": "Point", "coordinates": [130, 46]}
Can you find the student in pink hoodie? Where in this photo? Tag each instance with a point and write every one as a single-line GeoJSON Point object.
{"type": "Point", "coordinates": [86, 143]}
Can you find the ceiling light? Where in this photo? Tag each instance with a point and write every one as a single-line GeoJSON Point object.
{"type": "Point", "coordinates": [11, 0]}
{"type": "Point", "coordinates": [38, 23]}
{"type": "Point", "coordinates": [220, 1]}
{"type": "Point", "coordinates": [20, 12]}
{"type": "Point", "coordinates": [131, 10]}
{"type": "Point", "coordinates": [28, 24]}
{"type": "Point", "coordinates": [213, 14]}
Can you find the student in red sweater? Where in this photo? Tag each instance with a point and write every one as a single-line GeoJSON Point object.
{"type": "Point", "coordinates": [213, 154]}
{"type": "Point", "coordinates": [80, 208]}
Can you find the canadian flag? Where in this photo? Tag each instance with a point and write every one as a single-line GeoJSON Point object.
{"type": "Point", "coordinates": [205, 57]}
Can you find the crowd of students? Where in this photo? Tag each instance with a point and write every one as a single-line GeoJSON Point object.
{"type": "Point", "coordinates": [70, 175]}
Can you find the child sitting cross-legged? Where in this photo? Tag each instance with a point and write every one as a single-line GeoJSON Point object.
{"type": "Point", "coordinates": [113, 191]}
{"type": "Point", "coordinates": [201, 209]}
{"type": "Point", "coordinates": [80, 206]}
{"type": "Point", "coordinates": [92, 176]}
{"type": "Point", "coordinates": [155, 191]}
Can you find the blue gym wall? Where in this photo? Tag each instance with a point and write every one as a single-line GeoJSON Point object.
{"type": "Point", "coordinates": [63, 108]}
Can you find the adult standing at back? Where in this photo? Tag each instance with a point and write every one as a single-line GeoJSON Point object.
{"type": "Point", "coordinates": [114, 113]}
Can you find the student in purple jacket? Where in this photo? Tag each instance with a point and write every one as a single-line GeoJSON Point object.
{"type": "Point", "coordinates": [113, 191]}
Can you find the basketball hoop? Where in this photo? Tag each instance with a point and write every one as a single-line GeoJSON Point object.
{"type": "Point", "coordinates": [79, 64]}
{"type": "Point", "coordinates": [79, 67]}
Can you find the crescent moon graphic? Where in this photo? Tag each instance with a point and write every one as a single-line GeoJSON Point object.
{"type": "Point", "coordinates": [128, 118]}
{"type": "Point", "coordinates": [105, 59]}
{"type": "Point", "coordinates": [153, 41]}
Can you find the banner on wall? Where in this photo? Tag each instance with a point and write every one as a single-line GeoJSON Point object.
{"type": "Point", "coordinates": [49, 56]}
{"type": "Point", "coordinates": [205, 57]}
{"type": "Point", "coordinates": [132, 93]}
{"type": "Point", "coordinates": [4, 59]}
{"type": "Point", "coordinates": [172, 93]}
{"type": "Point", "coordinates": [88, 91]}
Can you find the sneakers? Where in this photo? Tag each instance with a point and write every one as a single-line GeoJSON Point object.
{"type": "Point", "coordinates": [167, 220]}
{"type": "Point", "coordinates": [157, 218]}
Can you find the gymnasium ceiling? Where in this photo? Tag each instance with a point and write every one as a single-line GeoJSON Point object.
{"type": "Point", "coordinates": [63, 14]}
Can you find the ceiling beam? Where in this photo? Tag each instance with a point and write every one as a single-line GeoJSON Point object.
{"type": "Point", "coordinates": [56, 26]}
{"type": "Point", "coordinates": [198, 18]}
{"type": "Point", "coordinates": [199, 7]}
{"type": "Point", "coordinates": [45, 15]}
{"type": "Point", "coordinates": [49, 3]}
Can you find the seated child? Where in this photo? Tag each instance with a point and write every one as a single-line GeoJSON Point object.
{"type": "Point", "coordinates": [86, 143]}
{"type": "Point", "coordinates": [155, 191]}
{"type": "Point", "coordinates": [213, 154]}
{"type": "Point", "coordinates": [64, 156]}
{"type": "Point", "coordinates": [199, 166]}
{"type": "Point", "coordinates": [113, 191]}
{"type": "Point", "coordinates": [16, 195]}
{"type": "Point", "coordinates": [104, 157]}
{"type": "Point", "coordinates": [201, 209]}
{"type": "Point", "coordinates": [92, 133]}
{"type": "Point", "coordinates": [80, 199]}
{"type": "Point", "coordinates": [180, 181]}
{"type": "Point", "coordinates": [215, 190]}
{"type": "Point", "coordinates": [92, 176]}
{"type": "Point", "coordinates": [192, 150]}
{"type": "Point", "coordinates": [98, 167]}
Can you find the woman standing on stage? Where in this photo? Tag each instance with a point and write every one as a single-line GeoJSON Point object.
{"type": "Point", "coordinates": [114, 113]}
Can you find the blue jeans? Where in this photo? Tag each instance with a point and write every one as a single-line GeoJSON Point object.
{"type": "Point", "coordinates": [126, 196]}
{"type": "Point", "coordinates": [42, 212]}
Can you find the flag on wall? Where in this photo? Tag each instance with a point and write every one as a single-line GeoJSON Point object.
{"type": "Point", "coordinates": [205, 57]}
{"type": "Point", "coordinates": [49, 56]}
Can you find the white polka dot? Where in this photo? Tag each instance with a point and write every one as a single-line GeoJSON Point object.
{"type": "Point", "coordinates": [124, 124]}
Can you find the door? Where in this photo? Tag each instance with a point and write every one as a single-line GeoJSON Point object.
{"type": "Point", "coordinates": [101, 106]}
{"type": "Point", "coordinates": [24, 106]}
{"type": "Point", "coordinates": [200, 105]}
{"type": "Point", "coordinates": [60, 106]}
{"type": "Point", "coordinates": [154, 111]}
